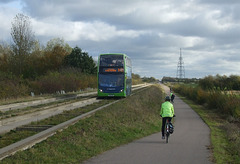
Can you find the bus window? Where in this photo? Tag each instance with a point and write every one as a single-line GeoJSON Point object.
{"type": "Point", "coordinates": [108, 80]}
{"type": "Point", "coordinates": [111, 60]}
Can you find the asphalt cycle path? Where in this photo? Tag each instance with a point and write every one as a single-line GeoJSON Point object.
{"type": "Point", "coordinates": [187, 145]}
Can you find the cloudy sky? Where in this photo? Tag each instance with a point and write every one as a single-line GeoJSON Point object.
{"type": "Point", "coordinates": [150, 32]}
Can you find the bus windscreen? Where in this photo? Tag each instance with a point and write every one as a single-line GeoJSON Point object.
{"type": "Point", "coordinates": [111, 60]}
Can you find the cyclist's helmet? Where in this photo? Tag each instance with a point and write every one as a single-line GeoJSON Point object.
{"type": "Point", "coordinates": [167, 98]}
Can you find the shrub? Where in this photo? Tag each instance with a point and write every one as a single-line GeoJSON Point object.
{"type": "Point", "coordinates": [222, 82]}
{"type": "Point", "coordinates": [227, 104]}
{"type": "Point", "coordinates": [202, 96]}
{"type": "Point", "coordinates": [232, 106]}
{"type": "Point", "coordinates": [68, 80]}
{"type": "Point", "coordinates": [50, 83]}
{"type": "Point", "coordinates": [12, 87]}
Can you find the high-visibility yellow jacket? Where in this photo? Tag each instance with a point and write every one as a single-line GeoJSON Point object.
{"type": "Point", "coordinates": [167, 109]}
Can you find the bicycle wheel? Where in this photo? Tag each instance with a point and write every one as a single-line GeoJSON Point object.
{"type": "Point", "coordinates": [167, 132]}
{"type": "Point", "coordinates": [167, 136]}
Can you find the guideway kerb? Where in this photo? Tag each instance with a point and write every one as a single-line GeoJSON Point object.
{"type": "Point", "coordinates": [30, 141]}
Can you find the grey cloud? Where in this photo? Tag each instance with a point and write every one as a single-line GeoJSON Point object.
{"type": "Point", "coordinates": [207, 30]}
{"type": "Point", "coordinates": [219, 1]}
{"type": "Point", "coordinates": [6, 1]}
{"type": "Point", "coordinates": [75, 9]}
{"type": "Point", "coordinates": [227, 7]}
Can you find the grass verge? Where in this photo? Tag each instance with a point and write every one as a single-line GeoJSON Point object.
{"type": "Point", "coordinates": [130, 119]}
{"type": "Point", "coordinates": [225, 136]}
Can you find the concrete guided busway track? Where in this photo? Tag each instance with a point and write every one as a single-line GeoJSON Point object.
{"type": "Point", "coordinates": [30, 141]}
{"type": "Point", "coordinates": [11, 123]}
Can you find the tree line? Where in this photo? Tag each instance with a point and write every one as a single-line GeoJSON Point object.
{"type": "Point", "coordinates": [27, 58]}
{"type": "Point", "coordinates": [27, 66]}
{"type": "Point", "coordinates": [210, 82]}
{"type": "Point", "coordinates": [224, 82]}
{"type": "Point", "coordinates": [175, 80]}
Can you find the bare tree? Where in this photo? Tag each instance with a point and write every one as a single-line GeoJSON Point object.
{"type": "Point", "coordinates": [23, 38]}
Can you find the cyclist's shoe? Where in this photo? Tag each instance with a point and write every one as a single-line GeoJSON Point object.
{"type": "Point", "coordinates": [163, 137]}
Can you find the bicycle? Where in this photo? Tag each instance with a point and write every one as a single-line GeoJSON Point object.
{"type": "Point", "coordinates": [168, 129]}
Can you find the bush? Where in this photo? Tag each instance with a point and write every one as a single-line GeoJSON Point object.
{"type": "Point", "coordinates": [12, 87]}
{"type": "Point", "coordinates": [227, 104]}
{"type": "Point", "coordinates": [202, 96]}
{"type": "Point", "coordinates": [68, 80]}
{"type": "Point", "coordinates": [50, 83]}
{"type": "Point", "coordinates": [222, 82]}
{"type": "Point", "coordinates": [216, 100]}
{"type": "Point", "coordinates": [232, 106]}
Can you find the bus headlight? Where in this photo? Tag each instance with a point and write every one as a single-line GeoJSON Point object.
{"type": "Point", "coordinates": [100, 90]}
{"type": "Point", "coordinates": [121, 90]}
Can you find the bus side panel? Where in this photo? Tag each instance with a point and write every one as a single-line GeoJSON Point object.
{"type": "Point", "coordinates": [128, 71]}
{"type": "Point", "coordinates": [128, 81]}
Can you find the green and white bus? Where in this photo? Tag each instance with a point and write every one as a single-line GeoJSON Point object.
{"type": "Point", "coordinates": [114, 75]}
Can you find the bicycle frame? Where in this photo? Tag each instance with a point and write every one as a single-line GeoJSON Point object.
{"type": "Point", "coordinates": [167, 130]}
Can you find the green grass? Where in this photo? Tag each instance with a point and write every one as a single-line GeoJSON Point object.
{"type": "Point", "coordinates": [224, 146]}
{"type": "Point", "coordinates": [14, 136]}
{"type": "Point", "coordinates": [132, 118]}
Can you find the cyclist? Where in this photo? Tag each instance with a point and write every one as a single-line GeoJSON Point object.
{"type": "Point", "coordinates": [172, 96]}
{"type": "Point", "coordinates": [167, 112]}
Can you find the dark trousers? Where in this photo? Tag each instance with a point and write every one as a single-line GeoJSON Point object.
{"type": "Point", "coordinates": [164, 119]}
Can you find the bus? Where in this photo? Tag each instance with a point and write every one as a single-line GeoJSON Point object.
{"type": "Point", "coordinates": [114, 75]}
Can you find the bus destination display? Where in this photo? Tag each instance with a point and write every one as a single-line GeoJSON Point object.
{"type": "Point", "coordinates": [113, 70]}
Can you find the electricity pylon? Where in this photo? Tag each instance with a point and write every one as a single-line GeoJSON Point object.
{"type": "Point", "coordinates": [180, 67]}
